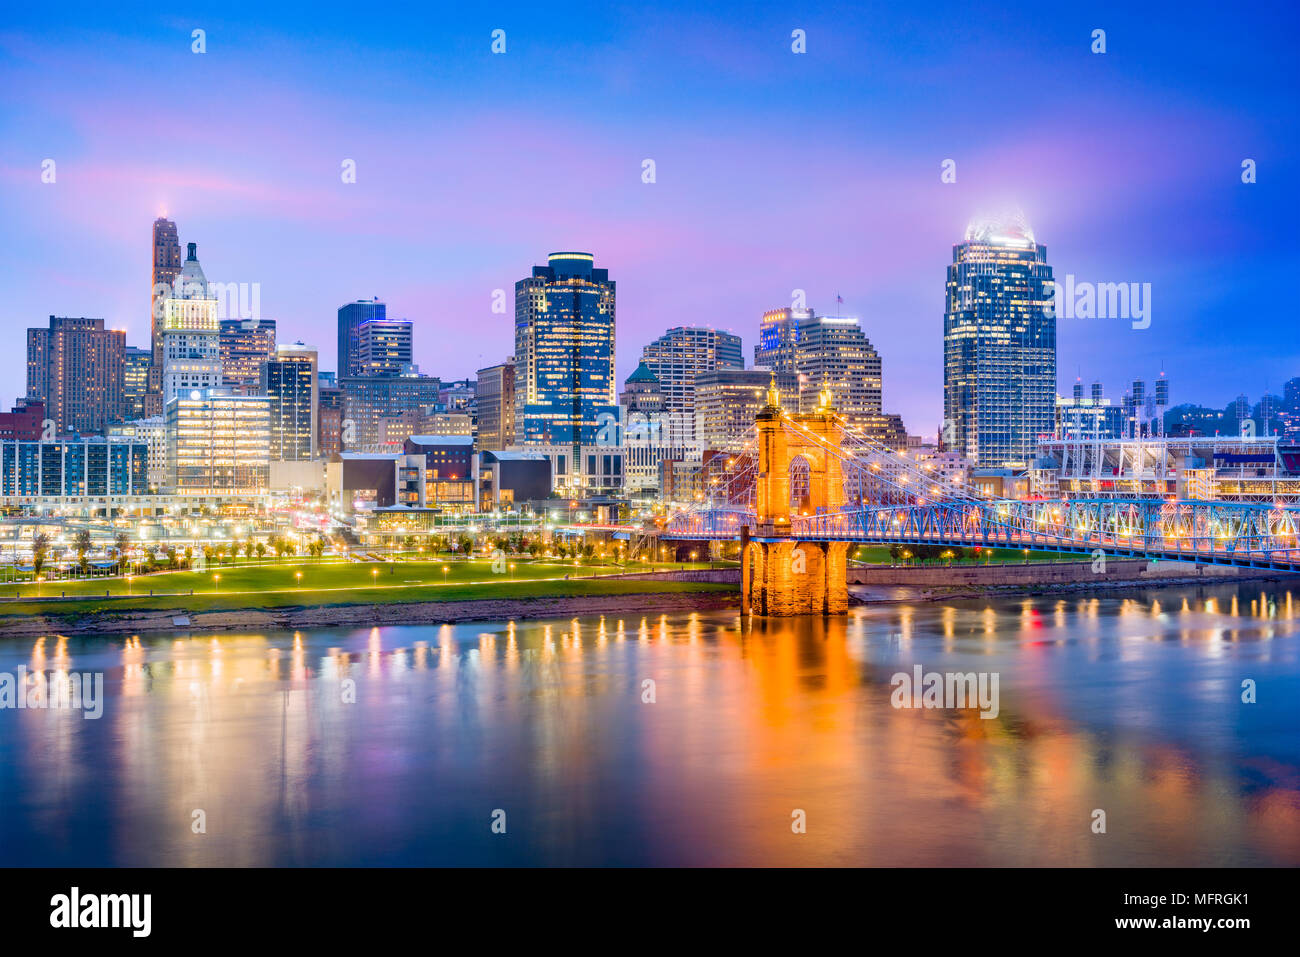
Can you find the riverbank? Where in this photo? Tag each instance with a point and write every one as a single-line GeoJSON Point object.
{"type": "Point", "coordinates": [136, 622]}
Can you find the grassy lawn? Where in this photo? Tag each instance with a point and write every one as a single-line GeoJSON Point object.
{"type": "Point", "coordinates": [335, 583]}
{"type": "Point", "coordinates": [879, 554]}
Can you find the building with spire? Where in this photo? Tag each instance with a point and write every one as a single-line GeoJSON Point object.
{"type": "Point", "coordinates": [191, 334]}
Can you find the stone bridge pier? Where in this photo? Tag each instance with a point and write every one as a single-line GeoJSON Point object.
{"type": "Point", "coordinates": [779, 578]}
{"type": "Point", "coordinates": [799, 473]}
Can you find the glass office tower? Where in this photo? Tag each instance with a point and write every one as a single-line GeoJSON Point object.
{"type": "Point", "coordinates": [564, 352]}
{"type": "Point", "coordinates": [999, 344]}
{"type": "Point", "coordinates": [351, 317]}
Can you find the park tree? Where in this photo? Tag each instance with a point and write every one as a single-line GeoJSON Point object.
{"type": "Point", "coordinates": [261, 549]}
{"type": "Point", "coordinates": [82, 545]}
{"type": "Point", "coordinates": [40, 552]}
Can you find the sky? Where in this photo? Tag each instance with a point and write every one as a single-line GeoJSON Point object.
{"type": "Point", "coordinates": [774, 170]}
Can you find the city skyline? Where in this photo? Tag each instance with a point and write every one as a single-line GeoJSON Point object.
{"type": "Point", "coordinates": [434, 234]}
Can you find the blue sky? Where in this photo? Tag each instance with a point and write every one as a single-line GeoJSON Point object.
{"type": "Point", "coordinates": [775, 171]}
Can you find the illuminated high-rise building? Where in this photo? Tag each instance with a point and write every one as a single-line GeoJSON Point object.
{"type": "Point", "coordinates": [290, 382]}
{"type": "Point", "coordinates": [166, 268]}
{"type": "Point", "coordinates": [136, 363]}
{"type": "Point", "coordinates": [246, 345]}
{"type": "Point", "coordinates": [999, 341]}
{"type": "Point", "coordinates": [191, 334]}
{"type": "Point", "coordinates": [75, 366]}
{"type": "Point", "coordinates": [823, 352]}
{"type": "Point", "coordinates": [383, 348]}
{"type": "Point", "coordinates": [218, 443]}
{"type": "Point", "coordinates": [495, 406]}
{"type": "Point", "coordinates": [564, 352]}
{"type": "Point", "coordinates": [682, 353]}
{"type": "Point", "coordinates": [351, 317]}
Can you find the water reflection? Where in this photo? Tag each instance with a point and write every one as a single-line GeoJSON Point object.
{"type": "Point", "coordinates": [396, 745]}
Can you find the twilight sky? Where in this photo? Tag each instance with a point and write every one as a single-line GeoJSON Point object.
{"type": "Point", "coordinates": [775, 170]}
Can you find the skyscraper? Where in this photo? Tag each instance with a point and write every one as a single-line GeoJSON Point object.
{"type": "Point", "coordinates": [191, 334]}
{"type": "Point", "coordinates": [495, 401]}
{"type": "Point", "coordinates": [351, 317]}
{"type": "Point", "coordinates": [135, 381]}
{"type": "Point", "coordinates": [289, 381]}
{"type": "Point", "coordinates": [823, 352]}
{"type": "Point", "coordinates": [76, 368]}
{"type": "Point", "coordinates": [999, 339]}
{"type": "Point", "coordinates": [246, 344]}
{"type": "Point", "coordinates": [682, 353]}
{"type": "Point", "coordinates": [382, 347]}
{"type": "Point", "coordinates": [166, 267]}
{"type": "Point", "coordinates": [564, 351]}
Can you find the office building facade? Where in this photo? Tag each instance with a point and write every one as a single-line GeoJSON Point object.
{"type": "Point", "coordinates": [369, 399]}
{"type": "Point", "coordinates": [290, 384]}
{"type": "Point", "coordinates": [218, 443]}
{"type": "Point", "coordinates": [76, 368]}
{"type": "Point", "coordinates": [64, 469]}
{"type": "Point", "coordinates": [166, 269]}
{"type": "Point", "coordinates": [191, 334]}
{"type": "Point", "coordinates": [351, 316]}
{"type": "Point", "coordinates": [383, 348]}
{"type": "Point", "coordinates": [495, 406]}
{"type": "Point", "coordinates": [999, 347]}
{"type": "Point", "coordinates": [683, 353]}
{"type": "Point", "coordinates": [823, 352]}
{"type": "Point", "coordinates": [564, 351]}
{"type": "Point", "coordinates": [136, 363]}
{"type": "Point", "coordinates": [246, 344]}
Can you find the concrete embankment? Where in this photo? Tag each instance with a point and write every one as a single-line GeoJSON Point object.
{"type": "Point", "coordinates": [253, 620]}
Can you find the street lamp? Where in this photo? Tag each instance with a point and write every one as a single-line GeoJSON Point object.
{"type": "Point", "coordinates": [444, 574]}
{"type": "Point", "coordinates": [374, 573]}
{"type": "Point", "coordinates": [298, 576]}
{"type": "Point", "coordinates": [128, 585]}
{"type": "Point", "coordinates": [216, 584]}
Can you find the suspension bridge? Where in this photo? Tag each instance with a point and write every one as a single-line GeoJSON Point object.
{"type": "Point", "coordinates": [800, 488]}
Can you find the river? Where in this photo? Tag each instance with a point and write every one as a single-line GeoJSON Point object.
{"type": "Point", "coordinates": [688, 739]}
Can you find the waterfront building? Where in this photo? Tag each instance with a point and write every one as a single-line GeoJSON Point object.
{"type": "Point", "coordinates": [448, 470]}
{"type": "Point", "coordinates": [495, 406]}
{"type": "Point", "coordinates": [76, 368]}
{"type": "Point", "coordinates": [369, 399]}
{"type": "Point", "coordinates": [999, 346]}
{"type": "Point", "coordinates": [506, 477]}
{"type": "Point", "coordinates": [153, 433]}
{"type": "Point", "coordinates": [246, 344]}
{"type": "Point", "coordinates": [383, 347]}
{"type": "Point", "coordinates": [823, 352]}
{"type": "Point", "coordinates": [564, 352]}
{"type": "Point", "coordinates": [218, 443]}
{"type": "Point", "coordinates": [191, 334]}
{"type": "Point", "coordinates": [351, 316]}
{"type": "Point", "coordinates": [289, 381]}
{"type": "Point", "coordinates": [71, 471]}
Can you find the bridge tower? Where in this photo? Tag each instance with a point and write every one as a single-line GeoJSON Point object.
{"type": "Point", "coordinates": [797, 475]}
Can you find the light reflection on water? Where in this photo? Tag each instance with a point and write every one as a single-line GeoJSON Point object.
{"type": "Point", "coordinates": [1127, 702]}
